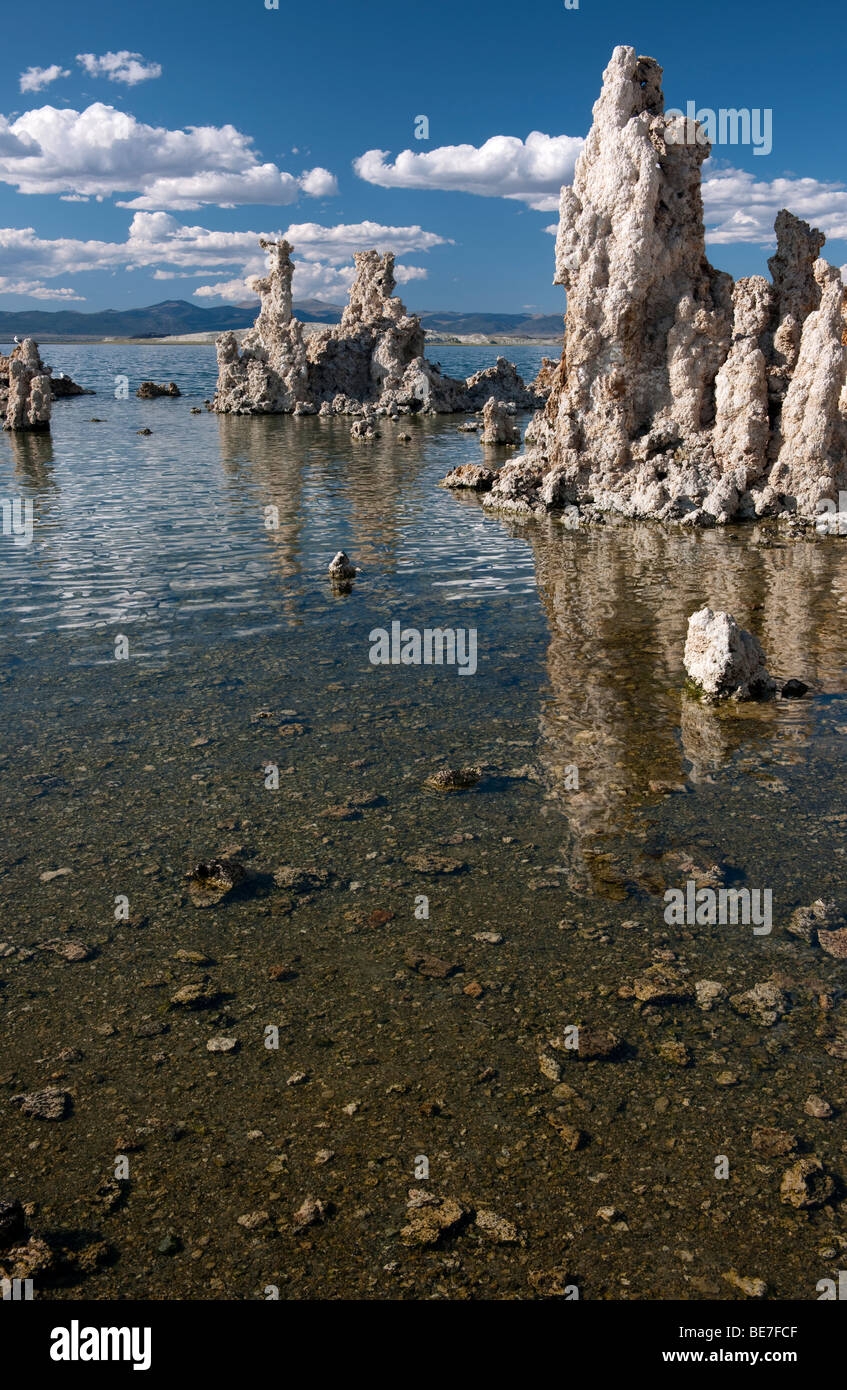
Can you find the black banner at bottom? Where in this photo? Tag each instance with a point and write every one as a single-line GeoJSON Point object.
{"type": "Point", "coordinates": [62, 1338]}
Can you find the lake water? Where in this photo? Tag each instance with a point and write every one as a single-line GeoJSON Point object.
{"type": "Point", "coordinates": [201, 552]}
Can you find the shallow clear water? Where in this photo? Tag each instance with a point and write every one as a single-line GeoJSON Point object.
{"type": "Point", "coordinates": [205, 545]}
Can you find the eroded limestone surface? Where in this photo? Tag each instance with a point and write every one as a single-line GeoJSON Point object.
{"type": "Point", "coordinates": [680, 396]}
{"type": "Point", "coordinates": [499, 426]}
{"type": "Point", "coordinates": [723, 659]}
{"type": "Point", "coordinates": [26, 396]}
{"type": "Point", "coordinates": [374, 359]}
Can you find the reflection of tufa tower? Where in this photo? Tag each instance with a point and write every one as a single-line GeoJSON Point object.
{"type": "Point", "coordinates": [253, 456]}
{"type": "Point", "coordinates": [618, 602]}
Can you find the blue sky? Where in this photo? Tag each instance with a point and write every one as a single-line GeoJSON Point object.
{"type": "Point", "coordinates": [124, 203]}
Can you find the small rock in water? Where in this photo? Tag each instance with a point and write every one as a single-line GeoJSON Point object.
{"type": "Point", "coordinates": [341, 812]}
{"type": "Point", "coordinates": [498, 423]}
{"type": "Point", "coordinates": [431, 1218]}
{"type": "Point", "coordinates": [598, 1044]}
{"type": "Point", "coordinates": [550, 1067]}
{"type": "Point", "coordinates": [283, 971]}
{"type": "Point", "coordinates": [252, 1220]}
{"type": "Point", "coordinates": [806, 922]}
{"type": "Point", "coordinates": [661, 984]}
{"type": "Point", "coordinates": [68, 950]}
{"type": "Point", "coordinates": [311, 1213]}
{"type": "Point", "coordinates": [472, 476]}
{"type": "Point", "coordinates": [210, 881]}
{"type": "Point", "coordinates": [431, 966]}
{"type": "Point", "coordinates": [834, 942]}
{"type": "Point", "coordinates": [380, 917]}
{"type": "Point", "coordinates": [201, 995]}
{"type": "Point", "coordinates": [837, 1047]}
{"type": "Point", "coordinates": [364, 430]}
{"type": "Point", "coordinates": [818, 1108]}
{"type": "Point", "coordinates": [794, 690]}
{"type": "Point", "coordinates": [723, 659]}
{"type": "Point", "coordinates": [753, 1288]}
{"type": "Point", "coordinates": [765, 1003]}
{"type": "Point", "coordinates": [572, 1137]}
{"type": "Point", "coordinates": [149, 390]}
{"type": "Point", "coordinates": [341, 569]}
{"type": "Point", "coordinates": [709, 994]}
{"type": "Point", "coordinates": [773, 1143]}
{"type": "Point", "coordinates": [806, 1184]}
{"type": "Point", "coordinates": [503, 1231]}
{"type": "Point", "coordinates": [49, 1104]}
{"type": "Point", "coordinates": [453, 779]}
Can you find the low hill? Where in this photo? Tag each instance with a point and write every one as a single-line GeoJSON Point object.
{"type": "Point", "coordinates": [176, 317]}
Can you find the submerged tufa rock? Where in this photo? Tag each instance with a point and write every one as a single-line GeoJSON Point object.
{"type": "Point", "coordinates": [723, 659]}
{"type": "Point", "coordinates": [151, 390]}
{"type": "Point", "coordinates": [341, 567]}
{"type": "Point", "coordinates": [806, 1184]}
{"type": "Point", "coordinates": [50, 1104]}
{"type": "Point", "coordinates": [453, 779]}
{"type": "Point", "coordinates": [470, 475]}
{"type": "Point", "coordinates": [210, 881]}
{"type": "Point", "coordinates": [431, 1218]}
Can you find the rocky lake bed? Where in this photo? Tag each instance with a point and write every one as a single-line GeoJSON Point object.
{"type": "Point", "coordinates": [295, 947]}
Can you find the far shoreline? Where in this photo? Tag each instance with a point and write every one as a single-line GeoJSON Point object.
{"type": "Point", "coordinates": [208, 340]}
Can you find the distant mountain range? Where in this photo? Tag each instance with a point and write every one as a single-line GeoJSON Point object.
{"type": "Point", "coordinates": [519, 325]}
{"type": "Point", "coordinates": [177, 316]}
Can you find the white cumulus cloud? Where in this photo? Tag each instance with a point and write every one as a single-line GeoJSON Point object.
{"type": "Point", "coordinates": [230, 291]}
{"type": "Point", "coordinates": [102, 151]}
{"type": "Point", "coordinates": [741, 208]}
{"type": "Point", "coordinates": [335, 244]}
{"type": "Point", "coordinates": [531, 170]}
{"type": "Point", "coordinates": [126, 67]}
{"type": "Point", "coordinates": [36, 290]}
{"type": "Point", "coordinates": [311, 280]}
{"type": "Point", "coordinates": [33, 79]}
{"type": "Point", "coordinates": [319, 183]}
{"type": "Point", "coordinates": [169, 249]}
